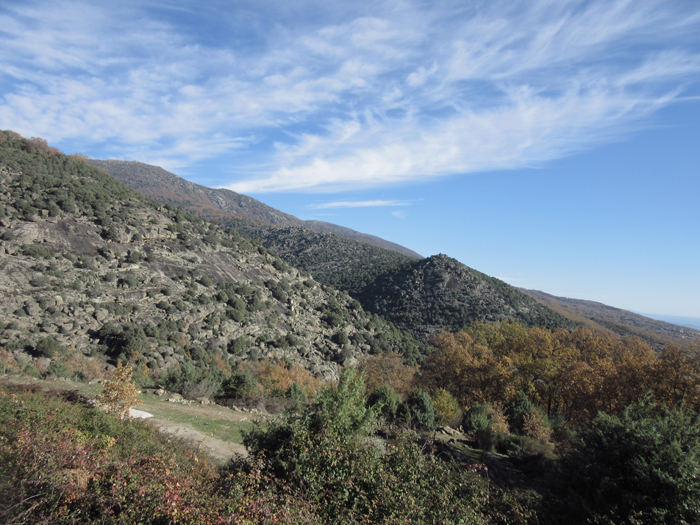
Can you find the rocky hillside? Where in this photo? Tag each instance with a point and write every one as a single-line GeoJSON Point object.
{"type": "Point", "coordinates": [89, 267]}
{"type": "Point", "coordinates": [163, 186]}
{"type": "Point", "coordinates": [615, 320]}
{"type": "Point", "coordinates": [440, 292]}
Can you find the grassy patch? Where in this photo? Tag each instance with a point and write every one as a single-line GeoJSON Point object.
{"type": "Point", "coordinates": [219, 422]}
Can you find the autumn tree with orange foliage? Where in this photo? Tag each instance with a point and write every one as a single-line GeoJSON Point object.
{"type": "Point", "coordinates": [468, 370]}
{"type": "Point", "coordinates": [535, 356]}
{"type": "Point", "coordinates": [388, 369]}
{"type": "Point", "coordinates": [121, 393]}
{"type": "Point", "coordinates": [278, 377]}
{"type": "Point", "coordinates": [574, 373]}
{"type": "Point", "coordinates": [677, 376]}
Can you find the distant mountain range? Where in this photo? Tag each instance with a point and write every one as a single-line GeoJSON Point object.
{"type": "Point", "coordinates": [689, 322]}
{"type": "Point", "coordinates": [622, 322]}
{"type": "Point", "coordinates": [422, 296]}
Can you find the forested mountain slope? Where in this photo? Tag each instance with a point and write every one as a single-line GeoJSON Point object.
{"type": "Point", "coordinates": [440, 292]}
{"type": "Point", "coordinates": [343, 263]}
{"type": "Point", "coordinates": [90, 268]}
{"type": "Point", "coordinates": [367, 271]}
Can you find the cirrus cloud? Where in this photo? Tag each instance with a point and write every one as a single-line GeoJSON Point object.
{"type": "Point", "coordinates": [359, 204]}
{"type": "Point", "coordinates": [329, 97]}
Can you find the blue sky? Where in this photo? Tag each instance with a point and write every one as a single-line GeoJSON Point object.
{"type": "Point", "coordinates": [553, 144]}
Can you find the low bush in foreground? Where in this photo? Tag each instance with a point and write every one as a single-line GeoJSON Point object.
{"type": "Point", "coordinates": [63, 462]}
{"type": "Point", "coordinates": [328, 454]}
{"type": "Point", "coordinates": [637, 467]}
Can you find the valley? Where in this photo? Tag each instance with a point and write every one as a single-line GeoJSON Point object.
{"type": "Point", "coordinates": [315, 377]}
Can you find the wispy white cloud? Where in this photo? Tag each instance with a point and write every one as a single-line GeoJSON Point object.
{"type": "Point", "coordinates": [326, 97]}
{"type": "Point", "coordinates": [359, 204]}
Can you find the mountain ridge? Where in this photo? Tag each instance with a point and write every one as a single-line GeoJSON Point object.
{"type": "Point", "coordinates": [616, 320]}
{"type": "Point", "coordinates": [218, 203]}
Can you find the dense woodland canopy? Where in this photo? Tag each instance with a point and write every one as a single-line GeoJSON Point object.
{"type": "Point", "coordinates": [570, 374]}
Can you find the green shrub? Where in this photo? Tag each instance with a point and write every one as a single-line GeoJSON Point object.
{"type": "Point", "coordinates": [128, 281]}
{"type": "Point", "coordinates": [193, 382]}
{"type": "Point", "coordinates": [208, 385]}
{"type": "Point", "coordinates": [477, 418]}
{"type": "Point", "coordinates": [175, 379]}
{"type": "Point", "coordinates": [341, 338]}
{"type": "Point", "coordinates": [205, 280]}
{"type": "Point", "coordinates": [236, 315]}
{"type": "Point", "coordinates": [49, 347]}
{"type": "Point", "coordinates": [58, 369]}
{"type": "Point", "coordinates": [520, 410]}
{"type": "Point", "coordinates": [421, 410]}
{"type": "Point", "coordinates": [637, 467]}
{"type": "Point", "coordinates": [133, 257]}
{"type": "Point", "coordinates": [37, 252]}
{"type": "Point", "coordinates": [386, 398]}
{"type": "Point", "coordinates": [32, 371]}
{"type": "Point", "coordinates": [487, 422]}
{"type": "Point", "coordinates": [241, 385]}
{"type": "Point", "coordinates": [239, 345]}
{"type": "Point", "coordinates": [296, 393]}
{"type": "Point", "coordinates": [111, 234]}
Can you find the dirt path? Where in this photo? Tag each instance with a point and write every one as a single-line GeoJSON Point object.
{"type": "Point", "coordinates": [220, 451]}
{"type": "Point", "coordinates": [175, 418]}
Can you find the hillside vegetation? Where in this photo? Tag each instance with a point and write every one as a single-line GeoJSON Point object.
{"type": "Point", "coordinates": [343, 263]}
{"type": "Point", "coordinates": [90, 269]}
{"type": "Point", "coordinates": [439, 292]}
